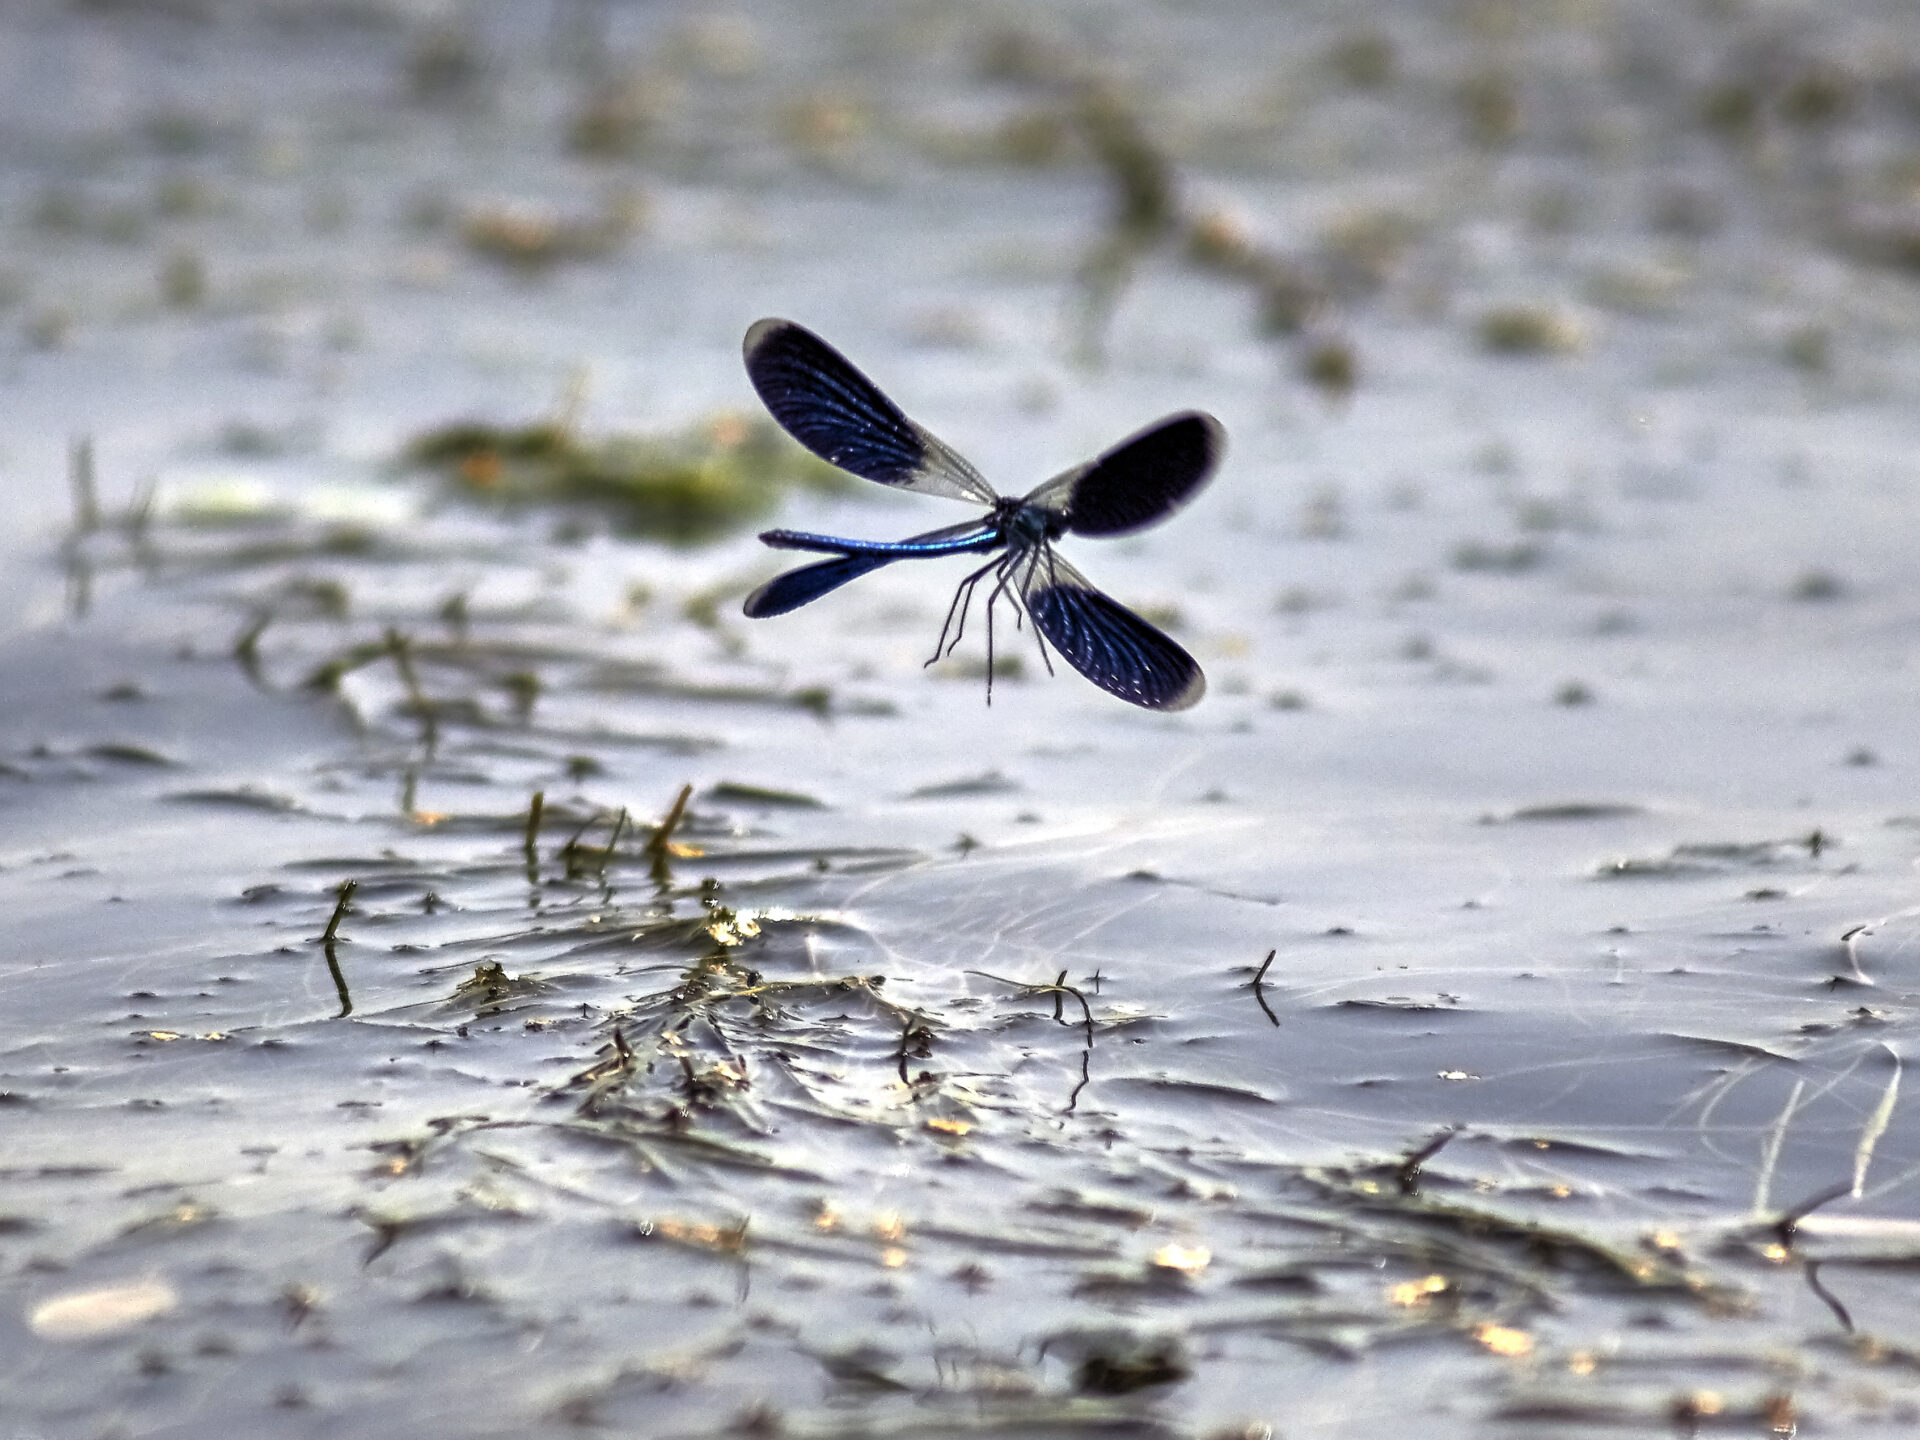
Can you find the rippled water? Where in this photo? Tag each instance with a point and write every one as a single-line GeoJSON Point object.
{"type": "Point", "coordinates": [1489, 1006]}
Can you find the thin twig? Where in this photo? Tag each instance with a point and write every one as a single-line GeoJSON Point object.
{"type": "Point", "coordinates": [339, 980]}
{"type": "Point", "coordinates": [568, 850]}
{"type": "Point", "coordinates": [246, 646]}
{"type": "Point", "coordinates": [1058, 988]}
{"type": "Point", "coordinates": [530, 842]}
{"type": "Point", "coordinates": [660, 846]}
{"type": "Point", "coordinates": [1409, 1171]}
{"type": "Point", "coordinates": [1788, 1225]}
{"type": "Point", "coordinates": [1086, 1075]}
{"type": "Point", "coordinates": [662, 839]}
{"type": "Point", "coordinates": [340, 910]}
{"type": "Point", "coordinates": [1259, 993]}
{"type": "Point", "coordinates": [1833, 1301]}
{"type": "Point", "coordinates": [914, 1034]}
{"type": "Point", "coordinates": [401, 648]}
{"type": "Point", "coordinates": [613, 840]}
{"type": "Point", "coordinates": [138, 522]}
{"type": "Point", "coordinates": [86, 495]}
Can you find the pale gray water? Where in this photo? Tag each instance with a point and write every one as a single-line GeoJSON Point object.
{"type": "Point", "coordinates": [1560, 708]}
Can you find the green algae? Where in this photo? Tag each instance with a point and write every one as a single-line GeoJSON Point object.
{"type": "Point", "coordinates": [686, 487]}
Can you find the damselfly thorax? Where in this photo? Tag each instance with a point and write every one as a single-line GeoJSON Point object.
{"type": "Point", "coordinates": [1025, 524]}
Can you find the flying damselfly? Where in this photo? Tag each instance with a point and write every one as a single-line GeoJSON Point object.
{"type": "Point", "coordinates": [821, 400]}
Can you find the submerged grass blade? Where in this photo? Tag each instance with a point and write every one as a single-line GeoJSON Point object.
{"type": "Point", "coordinates": [1770, 1152]}
{"type": "Point", "coordinates": [1876, 1125]}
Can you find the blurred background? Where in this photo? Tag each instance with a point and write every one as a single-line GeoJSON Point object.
{"type": "Point", "coordinates": [508, 205]}
{"type": "Point", "coordinates": [409, 838]}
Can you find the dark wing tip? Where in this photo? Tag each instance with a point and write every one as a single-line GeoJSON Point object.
{"type": "Point", "coordinates": [784, 358]}
{"type": "Point", "coordinates": [762, 332]}
{"type": "Point", "coordinates": [1115, 648]}
{"type": "Point", "coordinates": [1147, 476]}
{"type": "Point", "coordinates": [783, 593]}
{"type": "Point", "coordinates": [1186, 699]}
{"type": "Point", "coordinates": [794, 588]}
{"type": "Point", "coordinates": [1201, 439]}
{"type": "Point", "coordinates": [1176, 683]}
{"type": "Point", "coordinates": [1200, 419]}
{"type": "Point", "coordinates": [1215, 441]}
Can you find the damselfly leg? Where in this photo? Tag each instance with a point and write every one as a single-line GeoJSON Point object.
{"type": "Point", "coordinates": [1011, 584]}
{"type": "Point", "coordinates": [962, 602]}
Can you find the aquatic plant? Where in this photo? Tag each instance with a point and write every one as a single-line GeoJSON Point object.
{"type": "Point", "coordinates": [684, 487]}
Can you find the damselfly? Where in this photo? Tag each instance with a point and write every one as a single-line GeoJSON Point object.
{"type": "Point", "coordinates": [841, 416]}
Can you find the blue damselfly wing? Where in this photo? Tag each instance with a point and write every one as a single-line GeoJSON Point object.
{"type": "Point", "coordinates": [799, 587]}
{"type": "Point", "coordinates": [826, 404]}
{"type": "Point", "coordinates": [1140, 481]}
{"type": "Point", "coordinates": [1102, 639]}
{"type": "Point", "coordinates": [855, 558]}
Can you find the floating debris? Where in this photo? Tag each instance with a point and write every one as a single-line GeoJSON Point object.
{"type": "Point", "coordinates": [183, 280]}
{"type": "Point", "coordinates": [619, 118]}
{"type": "Point", "coordinates": [1364, 59]}
{"type": "Point", "coordinates": [530, 237]}
{"type": "Point", "coordinates": [88, 1314]}
{"type": "Point", "coordinates": [1532, 330]}
{"type": "Point", "coordinates": [1121, 1363]}
{"type": "Point", "coordinates": [1571, 810]}
{"type": "Point", "coordinates": [763, 796]}
{"type": "Point", "coordinates": [692, 486]}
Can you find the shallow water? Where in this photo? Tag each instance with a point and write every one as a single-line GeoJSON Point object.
{"type": "Point", "coordinates": [923, 1076]}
